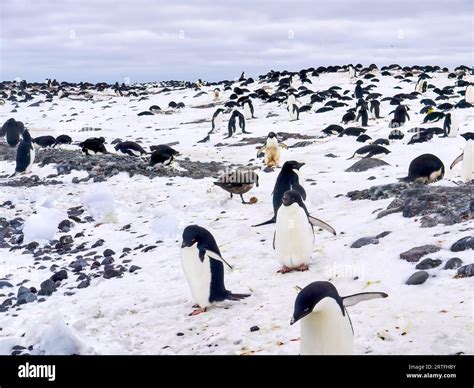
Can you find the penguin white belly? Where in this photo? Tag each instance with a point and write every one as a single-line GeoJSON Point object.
{"type": "Point", "coordinates": [294, 237]}
{"type": "Point", "coordinates": [247, 112]}
{"type": "Point", "coordinates": [453, 132]}
{"type": "Point", "coordinates": [32, 159]}
{"type": "Point", "coordinates": [468, 162]}
{"type": "Point", "coordinates": [198, 275]}
{"type": "Point", "coordinates": [469, 97]}
{"type": "Point", "coordinates": [327, 332]}
{"type": "Point", "coordinates": [218, 122]}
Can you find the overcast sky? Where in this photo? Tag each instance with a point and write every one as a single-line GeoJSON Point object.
{"type": "Point", "coordinates": [147, 40]}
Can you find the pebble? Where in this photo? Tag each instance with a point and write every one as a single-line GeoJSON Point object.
{"type": "Point", "coordinates": [418, 278]}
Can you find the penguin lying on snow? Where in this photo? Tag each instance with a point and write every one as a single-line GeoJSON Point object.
{"type": "Point", "coordinates": [326, 328]}
{"type": "Point", "coordinates": [288, 179]}
{"type": "Point", "coordinates": [425, 168]}
{"type": "Point", "coordinates": [272, 150]}
{"type": "Point", "coordinates": [93, 146]}
{"type": "Point", "coordinates": [203, 267]}
{"type": "Point", "coordinates": [63, 139]}
{"type": "Point", "coordinates": [370, 150]}
{"type": "Point", "coordinates": [162, 154]}
{"type": "Point", "coordinates": [239, 181]}
{"type": "Point", "coordinates": [129, 148]}
{"type": "Point", "coordinates": [25, 155]}
{"type": "Point", "coordinates": [45, 141]}
{"type": "Point", "coordinates": [294, 235]}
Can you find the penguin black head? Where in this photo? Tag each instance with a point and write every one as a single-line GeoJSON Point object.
{"type": "Point", "coordinates": [292, 165]}
{"type": "Point", "coordinates": [292, 196]}
{"type": "Point", "coordinates": [310, 296]}
{"type": "Point", "coordinates": [272, 135]}
{"type": "Point", "coordinates": [359, 82]}
{"type": "Point", "coordinates": [193, 234]}
{"type": "Point", "coordinates": [26, 136]}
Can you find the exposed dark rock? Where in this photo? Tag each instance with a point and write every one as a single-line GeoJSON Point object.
{"type": "Point", "coordinates": [465, 271]}
{"type": "Point", "coordinates": [453, 263]}
{"type": "Point", "coordinates": [366, 164]}
{"type": "Point", "coordinates": [463, 244]}
{"type": "Point", "coordinates": [428, 263]}
{"type": "Point", "coordinates": [418, 278]}
{"type": "Point", "coordinates": [415, 254]}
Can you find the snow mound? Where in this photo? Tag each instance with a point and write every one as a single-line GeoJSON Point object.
{"type": "Point", "coordinates": [42, 226]}
{"type": "Point", "coordinates": [101, 204]}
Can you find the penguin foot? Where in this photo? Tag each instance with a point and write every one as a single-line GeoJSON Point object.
{"type": "Point", "coordinates": [197, 312]}
{"type": "Point", "coordinates": [303, 267]}
{"type": "Point", "coordinates": [284, 270]}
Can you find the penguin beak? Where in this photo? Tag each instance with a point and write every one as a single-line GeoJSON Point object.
{"type": "Point", "coordinates": [300, 165]}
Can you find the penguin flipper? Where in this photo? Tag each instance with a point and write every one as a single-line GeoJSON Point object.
{"type": "Point", "coordinates": [321, 224]}
{"type": "Point", "coordinates": [352, 300]}
{"type": "Point", "coordinates": [283, 145]}
{"type": "Point", "coordinates": [271, 221]}
{"type": "Point", "coordinates": [262, 149]}
{"type": "Point", "coordinates": [457, 160]}
{"type": "Point", "coordinates": [232, 296]}
{"type": "Point", "coordinates": [216, 256]}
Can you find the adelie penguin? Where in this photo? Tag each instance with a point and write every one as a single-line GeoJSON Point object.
{"type": "Point", "coordinates": [272, 150]}
{"type": "Point", "coordinates": [352, 71]}
{"type": "Point", "coordinates": [326, 328]}
{"type": "Point", "coordinates": [358, 91]}
{"type": "Point", "coordinates": [162, 154]}
{"type": "Point", "coordinates": [467, 159]}
{"type": "Point", "coordinates": [400, 116]}
{"type": "Point", "coordinates": [294, 112]}
{"type": "Point", "coordinates": [451, 125]}
{"type": "Point", "coordinates": [63, 139]}
{"type": "Point", "coordinates": [12, 129]}
{"type": "Point", "coordinates": [203, 267]}
{"type": "Point", "coordinates": [25, 155]}
{"type": "Point", "coordinates": [421, 86]}
{"type": "Point", "coordinates": [93, 146]}
{"type": "Point", "coordinates": [248, 109]}
{"type": "Point", "coordinates": [237, 120]}
{"type": "Point", "coordinates": [288, 179]}
{"type": "Point", "coordinates": [363, 115]}
{"type": "Point", "coordinates": [216, 121]}
{"type": "Point", "coordinates": [370, 150]}
{"type": "Point", "coordinates": [374, 107]}
{"type": "Point", "coordinates": [238, 181]}
{"type": "Point", "coordinates": [45, 141]}
{"type": "Point", "coordinates": [294, 235]}
{"type": "Point", "coordinates": [426, 168]}
{"type": "Point", "coordinates": [129, 148]}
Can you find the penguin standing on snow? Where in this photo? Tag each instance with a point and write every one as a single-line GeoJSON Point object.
{"type": "Point", "coordinates": [12, 129]}
{"type": "Point", "coordinates": [294, 235]}
{"type": "Point", "coordinates": [294, 112]}
{"type": "Point", "coordinates": [203, 267]}
{"type": "Point", "coordinates": [237, 120]}
{"type": "Point", "coordinates": [451, 125]}
{"type": "Point", "coordinates": [352, 71]}
{"type": "Point", "coordinates": [216, 121]}
{"type": "Point", "coordinates": [358, 92]}
{"type": "Point", "coordinates": [467, 158]}
{"type": "Point", "coordinates": [326, 328]}
{"type": "Point", "coordinates": [272, 150]}
{"type": "Point", "coordinates": [421, 86]}
{"type": "Point", "coordinates": [25, 155]}
{"type": "Point", "coordinates": [216, 94]}
{"type": "Point", "coordinates": [288, 179]}
{"type": "Point", "coordinates": [249, 109]}
{"type": "Point", "coordinates": [363, 115]}
{"type": "Point", "coordinates": [375, 108]}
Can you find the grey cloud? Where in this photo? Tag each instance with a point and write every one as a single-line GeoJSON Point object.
{"type": "Point", "coordinates": [140, 39]}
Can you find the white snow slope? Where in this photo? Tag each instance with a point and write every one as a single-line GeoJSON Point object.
{"type": "Point", "coordinates": [142, 312]}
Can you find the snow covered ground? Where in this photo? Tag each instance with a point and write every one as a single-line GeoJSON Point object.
{"type": "Point", "coordinates": [146, 312]}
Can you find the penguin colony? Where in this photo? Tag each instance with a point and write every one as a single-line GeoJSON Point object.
{"type": "Point", "coordinates": [325, 324]}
